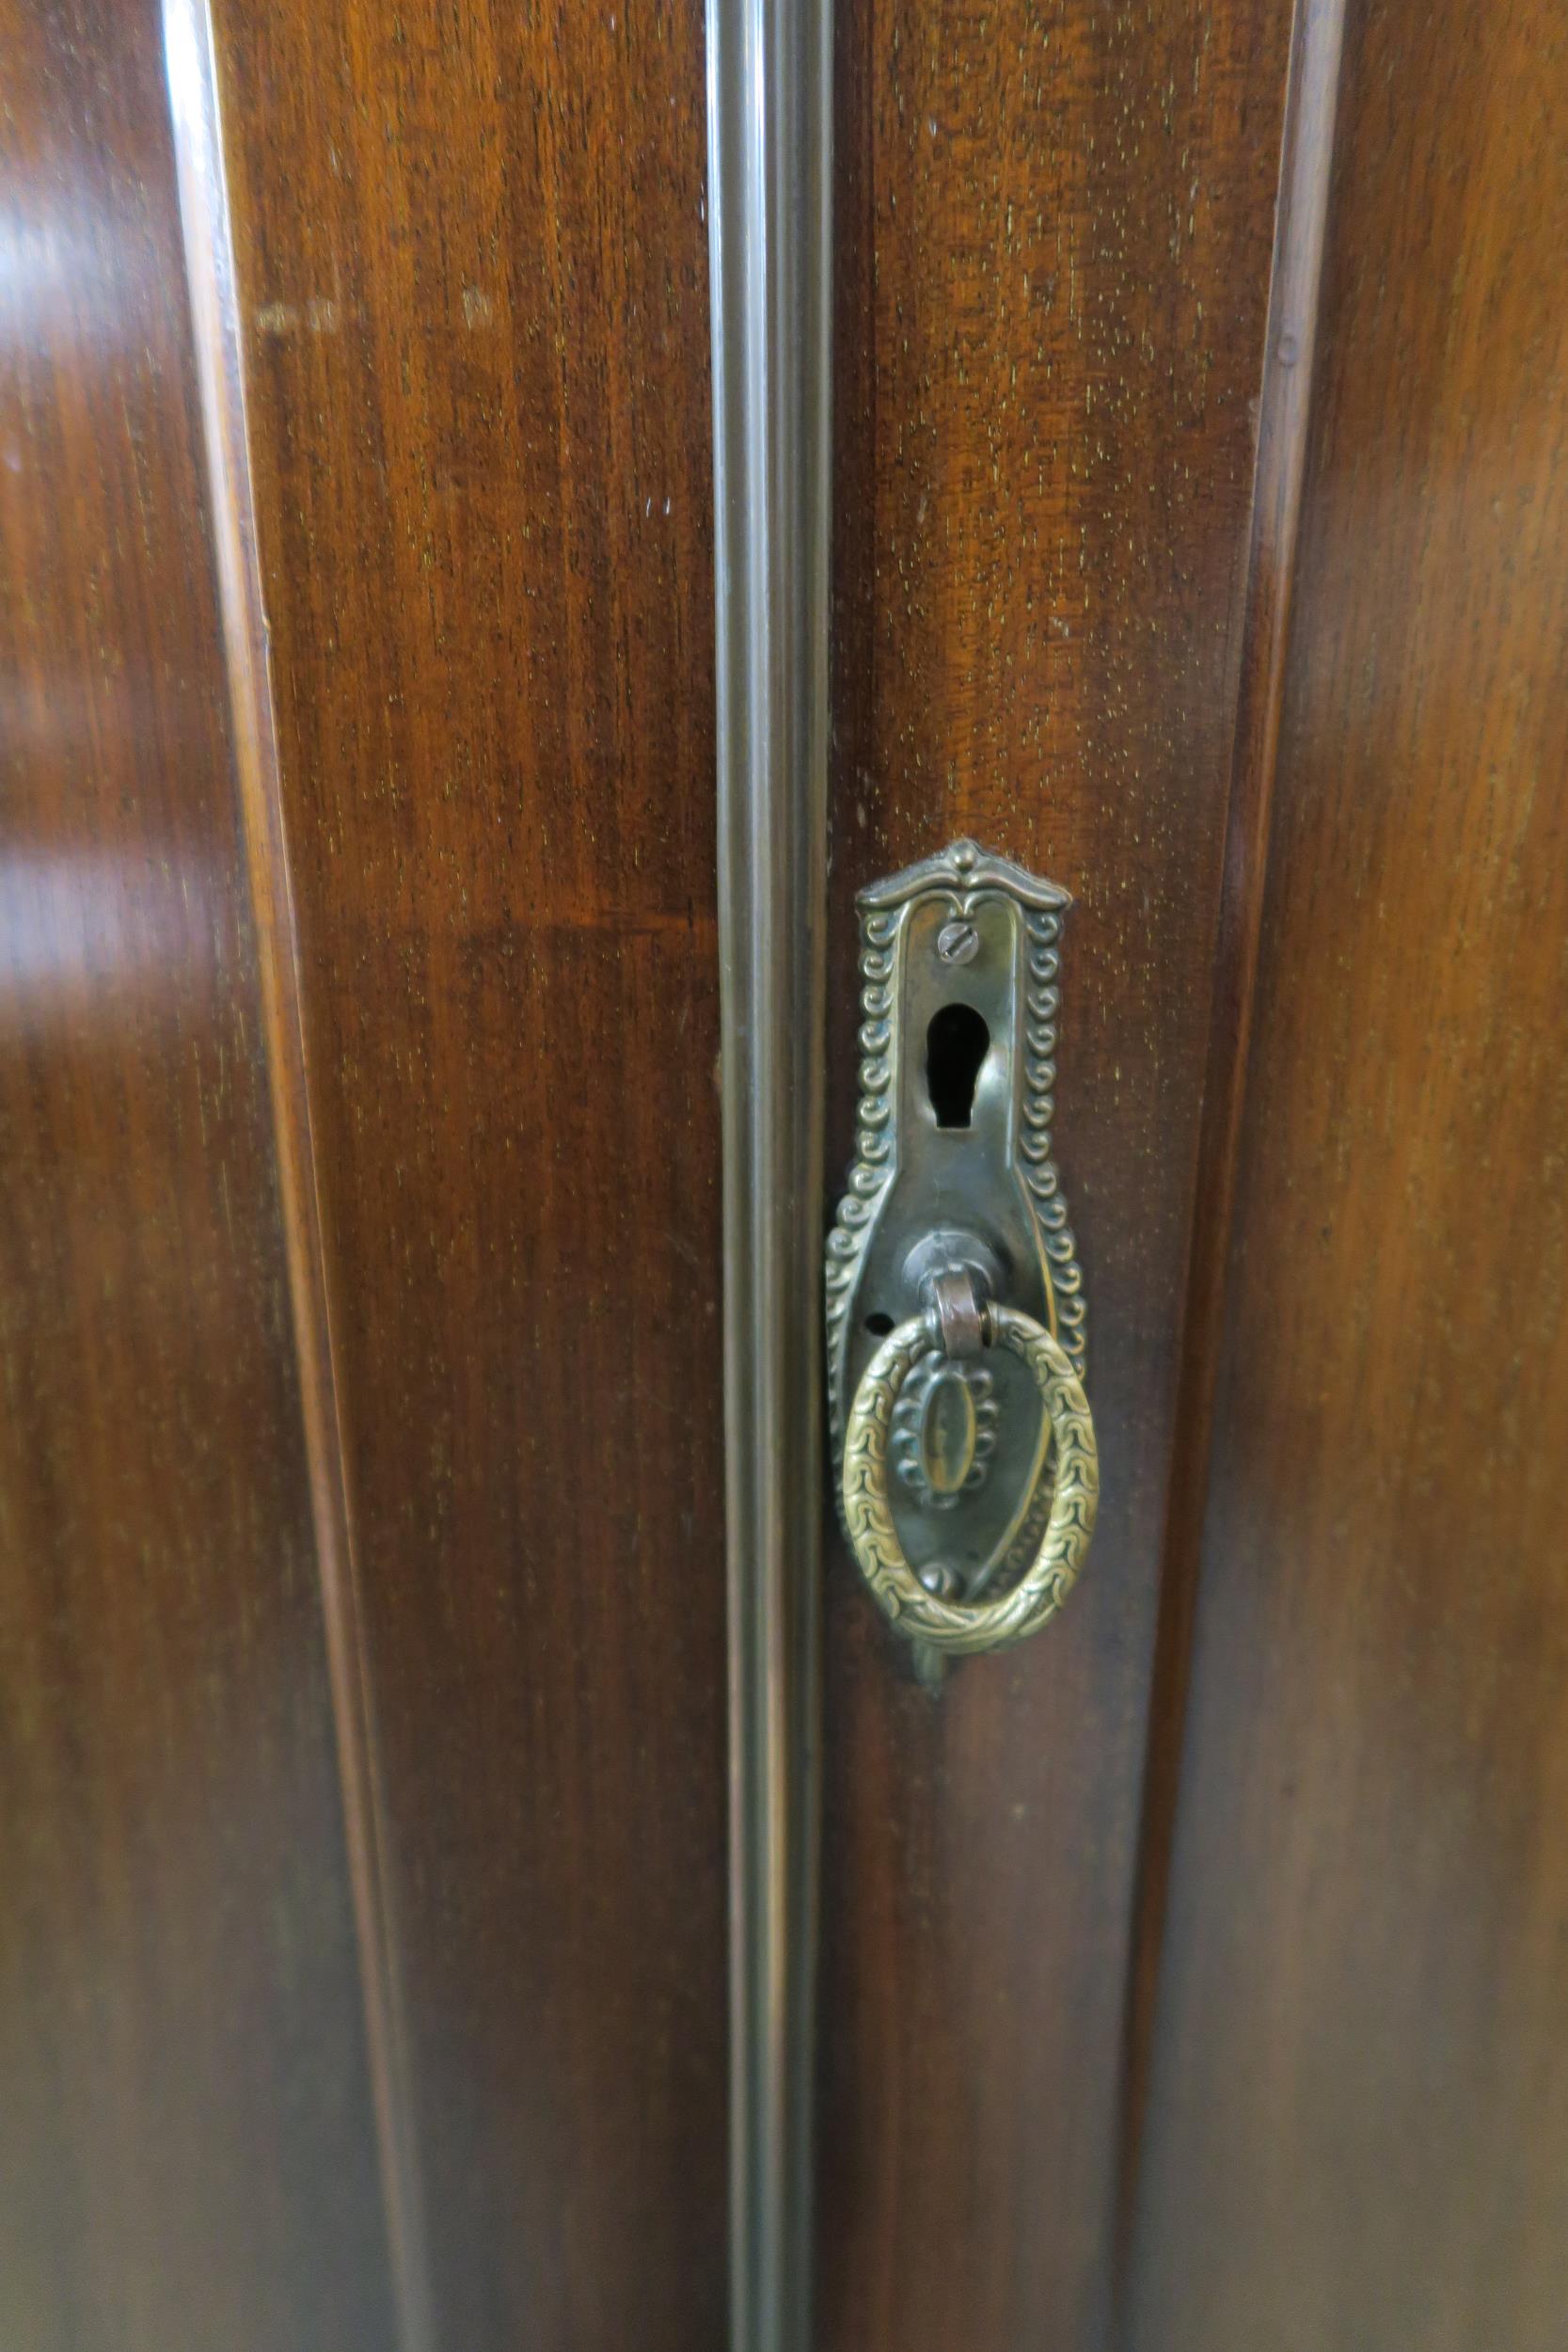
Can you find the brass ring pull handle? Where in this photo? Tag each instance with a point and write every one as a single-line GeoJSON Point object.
{"type": "Point", "coordinates": [1072, 1460]}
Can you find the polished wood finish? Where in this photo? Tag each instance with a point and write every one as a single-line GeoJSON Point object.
{"type": "Point", "coordinates": [1284, 413]}
{"type": "Point", "coordinates": [472, 266]}
{"type": "Point", "coordinates": [1055, 229]}
{"type": "Point", "coordinates": [1358, 2124]}
{"type": "Point", "coordinates": [187, 2152]}
{"type": "Point", "coordinates": [201, 178]}
{"type": "Point", "coordinates": [1191, 1977]}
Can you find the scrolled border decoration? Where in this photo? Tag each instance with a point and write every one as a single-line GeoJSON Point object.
{"type": "Point", "coordinates": [1042, 1004]}
{"type": "Point", "coordinates": [953, 1625]}
{"type": "Point", "coordinates": [876, 1147]}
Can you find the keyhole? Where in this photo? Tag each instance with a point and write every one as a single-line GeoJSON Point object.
{"type": "Point", "coordinates": [957, 1043]}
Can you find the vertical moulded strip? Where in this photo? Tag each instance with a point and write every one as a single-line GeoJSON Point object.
{"type": "Point", "coordinates": [770, 81]}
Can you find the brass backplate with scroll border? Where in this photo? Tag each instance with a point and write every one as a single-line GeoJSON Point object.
{"type": "Point", "coordinates": [959, 967]}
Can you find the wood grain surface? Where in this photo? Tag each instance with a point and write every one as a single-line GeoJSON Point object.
{"type": "Point", "coordinates": [473, 265]}
{"type": "Point", "coordinates": [1055, 234]}
{"type": "Point", "coordinates": [187, 2157]}
{"type": "Point", "coordinates": [1306, 160]}
{"type": "Point", "coordinates": [1359, 2130]}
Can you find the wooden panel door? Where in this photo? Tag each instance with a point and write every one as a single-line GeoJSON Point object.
{"type": "Point", "coordinates": [1359, 2123]}
{"type": "Point", "coordinates": [471, 279]}
{"type": "Point", "coordinates": [364, 1419]}
{"type": "Point", "coordinates": [1194, 1977]}
{"type": "Point", "coordinates": [1057, 620]}
{"type": "Point", "coordinates": [434, 1811]}
{"type": "Point", "coordinates": [187, 2141]}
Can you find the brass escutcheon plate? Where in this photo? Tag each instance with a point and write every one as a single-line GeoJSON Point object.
{"type": "Point", "coordinates": [959, 966]}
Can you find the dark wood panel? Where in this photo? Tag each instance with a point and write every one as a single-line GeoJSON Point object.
{"type": "Point", "coordinates": [186, 2150]}
{"type": "Point", "coordinates": [1284, 412]}
{"type": "Point", "coordinates": [1054, 237]}
{"type": "Point", "coordinates": [473, 270]}
{"type": "Point", "coordinates": [1358, 2129]}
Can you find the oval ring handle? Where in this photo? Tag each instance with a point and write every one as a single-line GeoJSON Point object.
{"type": "Point", "coordinates": [950, 1625]}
